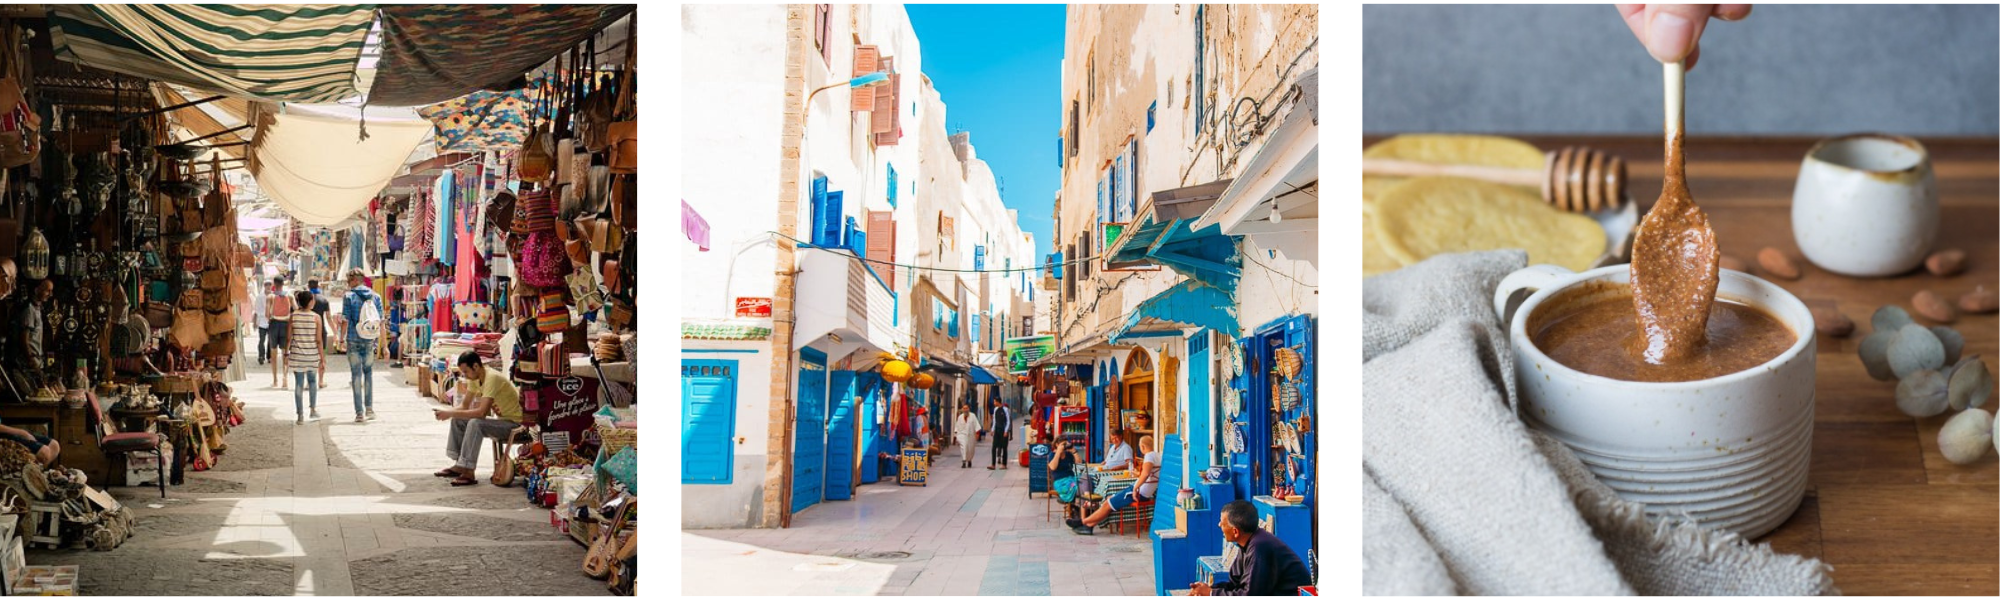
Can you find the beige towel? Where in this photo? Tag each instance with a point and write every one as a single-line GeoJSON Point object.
{"type": "Point", "coordinates": [1459, 497]}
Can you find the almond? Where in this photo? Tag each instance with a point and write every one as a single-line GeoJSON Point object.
{"type": "Point", "coordinates": [1933, 307]}
{"type": "Point", "coordinates": [1777, 264]}
{"type": "Point", "coordinates": [1946, 263]}
{"type": "Point", "coordinates": [1734, 264]}
{"type": "Point", "coordinates": [1979, 301]}
{"type": "Point", "coordinates": [1830, 322]}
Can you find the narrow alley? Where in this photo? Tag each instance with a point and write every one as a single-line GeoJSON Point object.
{"type": "Point", "coordinates": [968, 532]}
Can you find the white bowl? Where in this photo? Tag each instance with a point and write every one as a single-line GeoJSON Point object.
{"type": "Point", "coordinates": [1732, 452]}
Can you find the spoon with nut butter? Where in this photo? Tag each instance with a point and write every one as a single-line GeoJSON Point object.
{"type": "Point", "coordinates": [1674, 253]}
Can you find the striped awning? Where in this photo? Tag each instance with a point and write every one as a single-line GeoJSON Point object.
{"type": "Point", "coordinates": [436, 52]}
{"type": "Point", "coordinates": [305, 53]}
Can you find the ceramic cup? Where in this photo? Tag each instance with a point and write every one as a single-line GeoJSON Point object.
{"type": "Point", "coordinates": [1866, 205]}
{"type": "Point", "coordinates": [1729, 451]}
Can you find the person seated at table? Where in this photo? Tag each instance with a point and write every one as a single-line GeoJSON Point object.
{"type": "Point", "coordinates": [1149, 484]}
{"type": "Point", "coordinates": [45, 450]}
{"type": "Point", "coordinates": [490, 393]}
{"type": "Point", "coordinates": [1117, 453]}
{"type": "Point", "coordinates": [1264, 566]}
{"type": "Point", "coordinates": [1062, 469]}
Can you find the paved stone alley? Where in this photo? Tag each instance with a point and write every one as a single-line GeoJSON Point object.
{"type": "Point", "coordinates": [333, 507]}
{"type": "Point", "coordinates": [969, 532]}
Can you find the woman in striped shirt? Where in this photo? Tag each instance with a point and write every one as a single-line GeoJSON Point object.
{"type": "Point", "coordinates": [306, 337]}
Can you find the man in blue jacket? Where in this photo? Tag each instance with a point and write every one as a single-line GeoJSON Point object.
{"type": "Point", "coordinates": [361, 339]}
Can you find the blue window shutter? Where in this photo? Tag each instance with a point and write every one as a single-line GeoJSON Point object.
{"type": "Point", "coordinates": [1055, 260]}
{"type": "Point", "coordinates": [857, 240]}
{"type": "Point", "coordinates": [892, 186]}
{"type": "Point", "coordinates": [1059, 151]}
{"type": "Point", "coordinates": [829, 231]}
{"type": "Point", "coordinates": [954, 324]}
{"type": "Point", "coordinates": [1149, 115]}
{"type": "Point", "coordinates": [975, 328]}
{"type": "Point", "coordinates": [708, 424]}
{"type": "Point", "coordinates": [819, 211]}
{"type": "Point", "coordinates": [978, 258]}
{"type": "Point", "coordinates": [1103, 207]}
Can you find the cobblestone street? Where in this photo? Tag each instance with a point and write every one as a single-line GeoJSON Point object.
{"type": "Point", "coordinates": [333, 507]}
{"type": "Point", "coordinates": [969, 532]}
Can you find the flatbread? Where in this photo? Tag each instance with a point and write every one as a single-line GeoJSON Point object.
{"type": "Point", "coordinates": [1374, 259]}
{"type": "Point", "coordinates": [1482, 150]}
{"type": "Point", "coordinates": [1450, 149]}
{"type": "Point", "coordinates": [1427, 216]}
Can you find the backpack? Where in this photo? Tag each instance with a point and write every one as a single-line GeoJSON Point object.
{"type": "Point", "coordinates": [369, 326]}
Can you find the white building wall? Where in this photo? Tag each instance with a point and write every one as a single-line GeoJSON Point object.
{"type": "Point", "coordinates": [735, 505]}
{"type": "Point", "coordinates": [731, 164]}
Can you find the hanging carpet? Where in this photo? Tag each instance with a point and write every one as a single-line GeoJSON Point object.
{"type": "Point", "coordinates": [277, 52]}
{"type": "Point", "coordinates": [436, 52]}
{"type": "Point", "coordinates": [484, 120]}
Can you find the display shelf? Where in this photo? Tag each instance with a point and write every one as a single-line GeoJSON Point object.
{"type": "Point", "coordinates": [621, 372]}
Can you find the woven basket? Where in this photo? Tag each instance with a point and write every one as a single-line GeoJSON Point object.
{"type": "Point", "coordinates": [615, 439]}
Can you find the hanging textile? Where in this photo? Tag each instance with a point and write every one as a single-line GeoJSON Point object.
{"type": "Point", "coordinates": [435, 52]}
{"type": "Point", "coordinates": [276, 52]}
{"type": "Point", "coordinates": [466, 278]}
{"type": "Point", "coordinates": [357, 243]}
{"type": "Point", "coordinates": [447, 197]}
{"type": "Point", "coordinates": [311, 161]}
{"type": "Point", "coordinates": [484, 120]}
{"type": "Point", "coordinates": [423, 230]}
{"type": "Point", "coordinates": [440, 308]}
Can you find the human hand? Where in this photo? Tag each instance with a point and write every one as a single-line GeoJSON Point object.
{"type": "Point", "coordinates": [1671, 32]}
{"type": "Point", "coordinates": [1200, 589]}
{"type": "Point", "coordinates": [438, 414]}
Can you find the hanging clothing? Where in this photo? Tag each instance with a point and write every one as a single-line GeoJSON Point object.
{"type": "Point", "coordinates": [440, 298]}
{"type": "Point", "coordinates": [447, 195]}
{"type": "Point", "coordinates": [467, 273]}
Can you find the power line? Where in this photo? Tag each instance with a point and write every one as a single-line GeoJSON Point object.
{"type": "Point", "coordinates": [937, 269]}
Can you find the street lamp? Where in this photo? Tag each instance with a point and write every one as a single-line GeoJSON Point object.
{"type": "Point", "coordinates": [864, 81]}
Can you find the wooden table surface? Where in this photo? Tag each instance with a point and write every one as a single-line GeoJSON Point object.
{"type": "Point", "coordinates": [1882, 506]}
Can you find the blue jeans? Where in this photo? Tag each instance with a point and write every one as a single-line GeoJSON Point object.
{"type": "Point", "coordinates": [308, 382]}
{"type": "Point", "coordinates": [361, 364]}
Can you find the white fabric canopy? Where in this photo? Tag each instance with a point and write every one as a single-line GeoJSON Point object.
{"type": "Point", "coordinates": [311, 160]}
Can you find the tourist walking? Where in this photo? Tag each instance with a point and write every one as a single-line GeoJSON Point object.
{"type": "Point", "coordinates": [277, 307]}
{"type": "Point", "coordinates": [260, 314]}
{"type": "Point", "coordinates": [1003, 420]}
{"type": "Point", "coordinates": [967, 428]}
{"type": "Point", "coordinates": [304, 353]}
{"type": "Point", "coordinates": [363, 311]}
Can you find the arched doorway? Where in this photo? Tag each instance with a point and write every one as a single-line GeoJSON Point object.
{"type": "Point", "coordinates": [1137, 396]}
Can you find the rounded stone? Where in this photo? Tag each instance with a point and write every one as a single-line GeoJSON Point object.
{"type": "Point", "coordinates": [1965, 438]}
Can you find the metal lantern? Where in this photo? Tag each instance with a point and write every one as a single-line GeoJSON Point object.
{"type": "Point", "coordinates": [896, 371]}
{"type": "Point", "coordinates": [35, 255]}
{"type": "Point", "coordinates": [923, 381]}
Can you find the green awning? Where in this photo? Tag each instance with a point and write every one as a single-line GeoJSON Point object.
{"type": "Point", "coordinates": [305, 53]}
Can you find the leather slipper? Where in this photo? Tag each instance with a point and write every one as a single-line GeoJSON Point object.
{"type": "Point", "coordinates": [451, 472]}
{"type": "Point", "coordinates": [464, 481]}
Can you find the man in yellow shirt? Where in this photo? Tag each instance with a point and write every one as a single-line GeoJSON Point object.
{"type": "Point", "coordinates": [491, 410]}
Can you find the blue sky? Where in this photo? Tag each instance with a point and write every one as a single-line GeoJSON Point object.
{"type": "Point", "coordinates": [999, 69]}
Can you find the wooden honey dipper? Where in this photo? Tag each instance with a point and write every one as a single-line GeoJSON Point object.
{"type": "Point", "coordinates": [1575, 178]}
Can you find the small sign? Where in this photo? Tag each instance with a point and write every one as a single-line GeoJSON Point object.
{"type": "Point", "coordinates": [1024, 351]}
{"type": "Point", "coordinates": [916, 467]}
{"type": "Point", "coordinates": [753, 307]}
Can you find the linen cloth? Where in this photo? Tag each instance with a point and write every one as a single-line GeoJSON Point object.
{"type": "Point", "coordinates": [1460, 497]}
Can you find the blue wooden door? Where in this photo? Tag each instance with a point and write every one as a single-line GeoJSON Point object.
{"type": "Point", "coordinates": [708, 421]}
{"type": "Point", "coordinates": [1199, 404]}
{"type": "Point", "coordinates": [809, 431]}
{"type": "Point", "coordinates": [869, 429]}
{"type": "Point", "coordinates": [840, 437]}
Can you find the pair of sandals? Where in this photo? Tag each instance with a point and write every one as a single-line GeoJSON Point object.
{"type": "Point", "coordinates": [459, 479]}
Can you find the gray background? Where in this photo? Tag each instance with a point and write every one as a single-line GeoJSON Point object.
{"type": "Point", "coordinates": [1917, 70]}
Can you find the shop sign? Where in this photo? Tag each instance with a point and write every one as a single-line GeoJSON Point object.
{"type": "Point", "coordinates": [1024, 351]}
{"type": "Point", "coordinates": [915, 468]}
{"type": "Point", "coordinates": [753, 307]}
{"type": "Point", "coordinates": [572, 404]}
